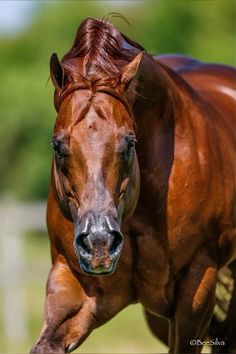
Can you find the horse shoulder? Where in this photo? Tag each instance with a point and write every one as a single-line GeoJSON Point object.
{"type": "Point", "coordinates": [201, 187]}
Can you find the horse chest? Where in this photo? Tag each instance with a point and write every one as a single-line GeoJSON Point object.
{"type": "Point", "coordinates": [152, 278]}
{"type": "Point", "coordinates": [154, 292]}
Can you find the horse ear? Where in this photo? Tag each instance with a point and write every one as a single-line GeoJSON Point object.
{"type": "Point", "coordinates": [130, 70]}
{"type": "Point", "coordinates": [56, 72]}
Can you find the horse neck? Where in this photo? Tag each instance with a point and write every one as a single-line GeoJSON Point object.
{"type": "Point", "coordinates": [157, 109]}
{"type": "Point", "coordinates": [159, 99]}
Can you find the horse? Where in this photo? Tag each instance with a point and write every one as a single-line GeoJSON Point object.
{"type": "Point", "coordinates": [141, 205]}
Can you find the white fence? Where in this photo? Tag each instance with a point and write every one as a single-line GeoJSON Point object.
{"type": "Point", "coordinates": [16, 219]}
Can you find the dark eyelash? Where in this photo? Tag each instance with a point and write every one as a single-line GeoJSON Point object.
{"type": "Point", "coordinates": [131, 144]}
{"type": "Point", "coordinates": [56, 145]}
{"type": "Point", "coordinates": [130, 141]}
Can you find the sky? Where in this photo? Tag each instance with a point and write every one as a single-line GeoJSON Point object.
{"type": "Point", "coordinates": [16, 15]}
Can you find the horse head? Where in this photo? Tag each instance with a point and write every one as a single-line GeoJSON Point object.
{"type": "Point", "coordinates": [96, 170]}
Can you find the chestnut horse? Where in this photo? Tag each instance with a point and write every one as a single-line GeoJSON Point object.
{"type": "Point", "coordinates": [142, 189]}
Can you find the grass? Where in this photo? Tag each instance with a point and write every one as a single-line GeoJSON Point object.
{"type": "Point", "coordinates": [126, 333]}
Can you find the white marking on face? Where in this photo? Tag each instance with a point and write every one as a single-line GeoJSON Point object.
{"type": "Point", "coordinates": [93, 149]}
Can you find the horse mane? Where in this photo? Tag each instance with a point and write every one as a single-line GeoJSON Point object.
{"type": "Point", "coordinates": [103, 48]}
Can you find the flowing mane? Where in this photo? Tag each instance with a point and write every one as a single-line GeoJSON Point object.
{"type": "Point", "coordinates": [102, 47]}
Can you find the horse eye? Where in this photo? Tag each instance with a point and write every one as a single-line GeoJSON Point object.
{"type": "Point", "coordinates": [130, 141]}
{"type": "Point", "coordinates": [56, 145]}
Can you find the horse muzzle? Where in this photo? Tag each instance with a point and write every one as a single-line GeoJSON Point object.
{"type": "Point", "coordinates": [98, 244]}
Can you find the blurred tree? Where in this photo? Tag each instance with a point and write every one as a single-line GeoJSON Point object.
{"type": "Point", "coordinates": [203, 29]}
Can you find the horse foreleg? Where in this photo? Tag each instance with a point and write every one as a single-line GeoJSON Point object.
{"type": "Point", "coordinates": [159, 326]}
{"type": "Point", "coordinates": [68, 315]}
{"type": "Point", "coordinates": [195, 302]}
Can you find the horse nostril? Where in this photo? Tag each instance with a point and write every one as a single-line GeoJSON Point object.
{"type": "Point", "coordinates": [82, 241]}
{"type": "Point", "coordinates": [117, 242]}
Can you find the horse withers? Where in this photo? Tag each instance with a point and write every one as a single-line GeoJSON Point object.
{"type": "Point", "coordinates": [141, 201]}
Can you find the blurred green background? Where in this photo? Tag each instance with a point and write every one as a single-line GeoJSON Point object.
{"type": "Point", "coordinates": [202, 29]}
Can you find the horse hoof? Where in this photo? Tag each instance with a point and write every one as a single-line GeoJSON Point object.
{"type": "Point", "coordinates": [72, 347]}
{"type": "Point", "coordinates": [46, 348]}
